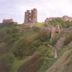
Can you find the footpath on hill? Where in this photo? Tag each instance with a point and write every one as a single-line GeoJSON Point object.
{"type": "Point", "coordinates": [63, 64]}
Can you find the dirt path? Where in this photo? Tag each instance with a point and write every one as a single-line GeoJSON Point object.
{"type": "Point", "coordinates": [60, 64]}
{"type": "Point", "coordinates": [32, 64]}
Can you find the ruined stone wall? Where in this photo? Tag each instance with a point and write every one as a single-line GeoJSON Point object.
{"type": "Point", "coordinates": [67, 18]}
{"type": "Point", "coordinates": [34, 15]}
{"type": "Point", "coordinates": [64, 18]}
{"type": "Point", "coordinates": [30, 16]}
{"type": "Point", "coordinates": [7, 21]}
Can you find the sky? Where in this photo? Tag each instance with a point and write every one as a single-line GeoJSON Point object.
{"type": "Point", "coordinates": [46, 8]}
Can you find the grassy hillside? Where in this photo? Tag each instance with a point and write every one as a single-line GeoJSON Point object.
{"type": "Point", "coordinates": [25, 49]}
{"type": "Point", "coordinates": [64, 63]}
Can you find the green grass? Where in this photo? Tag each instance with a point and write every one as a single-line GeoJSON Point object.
{"type": "Point", "coordinates": [28, 41]}
{"type": "Point", "coordinates": [39, 25]}
{"type": "Point", "coordinates": [17, 63]}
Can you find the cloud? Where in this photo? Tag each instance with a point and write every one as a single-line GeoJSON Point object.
{"type": "Point", "coordinates": [46, 8]}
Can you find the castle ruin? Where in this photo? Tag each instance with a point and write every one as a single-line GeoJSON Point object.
{"type": "Point", "coordinates": [30, 16]}
{"type": "Point", "coordinates": [8, 21]}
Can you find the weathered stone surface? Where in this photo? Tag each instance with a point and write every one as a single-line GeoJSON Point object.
{"type": "Point", "coordinates": [7, 21]}
{"type": "Point", "coordinates": [60, 42]}
{"type": "Point", "coordinates": [67, 18]}
{"type": "Point", "coordinates": [64, 18]}
{"type": "Point", "coordinates": [30, 16]}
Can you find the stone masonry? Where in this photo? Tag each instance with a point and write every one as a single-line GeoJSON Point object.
{"type": "Point", "coordinates": [7, 21]}
{"type": "Point", "coordinates": [30, 16]}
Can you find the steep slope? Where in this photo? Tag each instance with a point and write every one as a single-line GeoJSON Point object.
{"type": "Point", "coordinates": [63, 64]}
{"type": "Point", "coordinates": [18, 43]}
{"type": "Point", "coordinates": [32, 64]}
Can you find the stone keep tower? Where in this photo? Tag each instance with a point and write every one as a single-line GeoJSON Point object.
{"type": "Point", "coordinates": [30, 16]}
{"type": "Point", "coordinates": [27, 17]}
{"type": "Point", "coordinates": [34, 15]}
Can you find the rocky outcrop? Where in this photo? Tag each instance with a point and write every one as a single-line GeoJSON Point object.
{"type": "Point", "coordinates": [63, 64]}
{"type": "Point", "coordinates": [60, 43]}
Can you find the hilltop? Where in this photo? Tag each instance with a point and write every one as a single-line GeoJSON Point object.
{"type": "Point", "coordinates": [40, 48]}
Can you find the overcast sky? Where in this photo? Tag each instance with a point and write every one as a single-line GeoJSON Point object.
{"type": "Point", "coordinates": [46, 8]}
